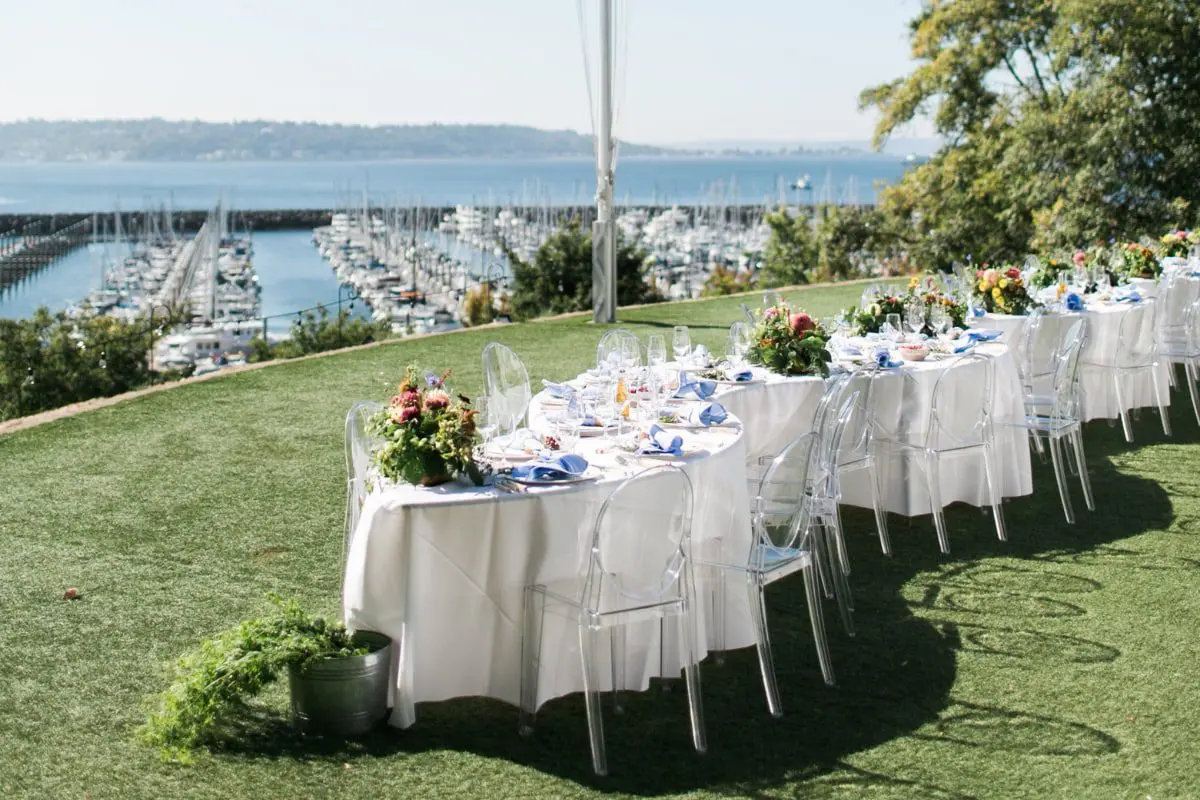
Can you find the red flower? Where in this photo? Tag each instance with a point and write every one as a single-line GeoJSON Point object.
{"type": "Point", "coordinates": [409, 413]}
{"type": "Point", "coordinates": [410, 397]}
{"type": "Point", "coordinates": [802, 323]}
{"type": "Point", "coordinates": [1013, 273]}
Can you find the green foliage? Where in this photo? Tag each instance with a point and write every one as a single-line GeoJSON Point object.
{"type": "Point", "coordinates": [50, 360]}
{"type": "Point", "coordinates": [1139, 260]}
{"type": "Point", "coordinates": [213, 682]}
{"type": "Point", "coordinates": [317, 332]}
{"type": "Point", "coordinates": [428, 436]}
{"type": "Point", "coordinates": [1065, 123]}
{"type": "Point", "coordinates": [559, 279]}
{"type": "Point", "coordinates": [478, 307]}
{"type": "Point", "coordinates": [789, 343]}
{"type": "Point", "coordinates": [792, 250]}
{"type": "Point", "coordinates": [870, 319]}
{"type": "Point", "coordinates": [724, 281]}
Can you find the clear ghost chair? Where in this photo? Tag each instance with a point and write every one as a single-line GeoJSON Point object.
{"type": "Point", "coordinates": [506, 387]}
{"type": "Point", "coordinates": [1136, 356]}
{"type": "Point", "coordinates": [621, 347]}
{"type": "Point", "coordinates": [857, 453]}
{"type": "Point", "coordinates": [792, 514]}
{"type": "Point", "coordinates": [960, 423]}
{"type": "Point", "coordinates": [1052, 410]}
{"type": "Point", "coordinates": [359, 445]}
{"type": "Point", "coordinates": [1181, 345]}
{"type": "Point", "coordinates": [639, 569]}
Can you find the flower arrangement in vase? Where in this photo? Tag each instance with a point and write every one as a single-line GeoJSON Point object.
{"type": "Point", "coordinates": [789, 343]}
{"type": "Point", "coordinates": [1140, 261]}
{"type": "Point", "coordinates": [870, 319]}
{"type": "Point", "coordinates": [1178, 243]}
{"type": "Point", "coordinates": [1003, 291]}
{"type": "Point", "coordinates": [428, 435]}
{"type": "Point", "coordinates": [1052, 269]}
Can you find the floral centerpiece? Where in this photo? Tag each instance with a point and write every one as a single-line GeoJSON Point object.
{"type": "Point", "coordinates": [789, 343]}
{"type": "Point", "coordinates": [428, 435]}
{"type": "Point", "coordinates": [1002, 291]}
{"type": "Point", "coordinates": [1052, 269]}
{"type": "Point", "coordinates": [1139, 260]}
{"type": "Point", "coordinates": [1178, 243]}
{"type": "Point", "coordinates": [870, 319]}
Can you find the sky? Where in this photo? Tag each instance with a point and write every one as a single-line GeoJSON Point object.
{"type": "Point", "coordinates": [692, 70]}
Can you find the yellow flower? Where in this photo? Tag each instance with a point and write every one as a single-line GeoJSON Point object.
{"type": "Point", "coordinates": [997, 294]}
{"type": "Point", "coordinates": [1003, 283]}
{"type": "Point", "coordinates": [913, 282]}
{"type": "Point", "coordinates": [983, 287]}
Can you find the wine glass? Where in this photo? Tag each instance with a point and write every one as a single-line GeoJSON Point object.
{"type": "Point", "coordinates": [771, 298]}
{"type": "Point", "coordinates": [681, 342]}
{"type": "Point", "coordinates": [914, 316]}
{"type": "Point", "coordinates": [939, 319]}
{"type": "Point", "coordinates": [892, 328]}
{"type": "Point", "coordinates": [734, 348]}
{"type": "Point", "coordinates": [656, 350]}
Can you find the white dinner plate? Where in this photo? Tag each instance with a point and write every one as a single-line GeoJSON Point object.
{"type": "Point", "coordinates": [590, 475]}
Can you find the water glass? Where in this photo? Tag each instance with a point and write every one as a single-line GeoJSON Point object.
{"type": "Point", "coordinates": [566, 431]}
{"type": "Point", "coordinates": [771, 298]}
{"type": "Point", "coordinates": [681, 342]}
{"type": "Point", "coordinates": [914, 316]}
{"type": "Point", "coordinates": [892, 328]}
{"type": "Point", "coordinates": [656, 350]}
{"type": "Point", "coordinates": [939, 319]}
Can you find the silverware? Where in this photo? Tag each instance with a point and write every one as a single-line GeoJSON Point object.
{"type": "Point", "coordinates": [508, 485]}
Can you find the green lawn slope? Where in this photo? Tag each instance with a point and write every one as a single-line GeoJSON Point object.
{"type": "Point", "coordinates": [1061, 664]}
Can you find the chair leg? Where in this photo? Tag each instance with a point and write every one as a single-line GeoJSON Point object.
{"type": "Point", "coordinates": [1038, 447]}
{"type": "Point", "coordinates": [689, 647]}
{"type": "Point", "coordinates": [591, 694]}
{"type": "Point", "coordinates": [1162, 407]}
{"type": "Point", "coordinates": [841, 590]}
{"type": "Point", "coordinates": [841, 586]}
{"type": "Point", "coordinates": [617, 648]}
{"type": "Point", "coordinates": [839, 540]}
{"type": "Point", "coordinates": [993, 479]}
{"type": "Point", "coordinates": [877, 495]}
{"type": "Point", "coordinates": [818, 626]}
{"type": "Point", "coordinates": [766, 661]}
{"type": "Point", "coordinates": [1084, 479]}
{"type": "Point", "coordinates": [717, 575]}
{"type": "Point", "coordinates": [1189, 369]}
{"type": "Point", "coordinates": [532, 620]}
{"type": "Point", "coordinates": [1060, 477]}
{"type": "Point", "coordinates": [1126, 425]}
{"type": "Point", "coordinates": [933, 478]}
{"type": "Point", "coordinates": [821, 562]}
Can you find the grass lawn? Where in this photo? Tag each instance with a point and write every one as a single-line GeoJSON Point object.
{"type": "Point", "coordinates": [1062, 664]}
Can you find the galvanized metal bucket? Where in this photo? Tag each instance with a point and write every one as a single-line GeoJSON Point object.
{"type": "Point", "coordinates": [343, 696]}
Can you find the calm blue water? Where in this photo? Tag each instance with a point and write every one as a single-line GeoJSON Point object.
{"type": "Point", "coordinates": [290, 270]}
{"type": "Point", "coordinates": [80, 187]}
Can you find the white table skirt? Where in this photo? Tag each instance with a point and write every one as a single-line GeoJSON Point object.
{"type": "Point", "coordinates": [1103, 331]}
{"type": "Point", "coordinates": [442, 572]}
{"type": "Point", "coordinates": [781, 409]}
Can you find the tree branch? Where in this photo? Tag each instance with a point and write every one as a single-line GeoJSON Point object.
{"type": "Point", "coordinates": [1036, 72]}
{"type": "Point", "coordinates": [1012, 71]}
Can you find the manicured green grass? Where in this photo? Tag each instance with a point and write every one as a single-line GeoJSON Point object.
{"type": "Point", "coordinates": [1062, 664]}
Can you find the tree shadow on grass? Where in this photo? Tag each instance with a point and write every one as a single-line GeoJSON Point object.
{"type": "Point", "coordinates": [894, 677]}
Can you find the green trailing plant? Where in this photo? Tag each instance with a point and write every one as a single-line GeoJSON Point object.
{"type": "Point", "coordinates": [213, 683]}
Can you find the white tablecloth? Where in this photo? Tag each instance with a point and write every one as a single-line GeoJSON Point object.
{"type": "Point", "coordinates": [1103, 331]}
{"type": "Point", "coordinates": [782, 408]}
{"type": "Point", "coordinates": [442, 572]}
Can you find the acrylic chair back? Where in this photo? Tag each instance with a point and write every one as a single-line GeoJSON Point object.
{"type": "Point", "coordinates": [1065, 381]}
{"type": "Point", "coordinates": [640, 542]}
{"type": "Point", "coordinates": [506, 387]}
{"type": "Point", "coordinates": [780, 514]}
{"type": "Point", "coordinates": [359, 445]}
{"type": "Point", "coordinates": [1136, 346]}
{"type": "Point", "coordinates": [1025, 350]}
{"type": "Point", "coordinates": [1175, 294]}
{"type": "Point", "coordinates": [960, 410]}
{"type": "Point", "coordinates": [619, 348]}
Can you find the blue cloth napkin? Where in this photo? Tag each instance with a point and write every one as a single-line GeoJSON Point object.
{"type": "Point", "coordinates": [662, 442]}
{"type": "Point", "coordinates": [742, 376]}
{"type": "Point", "coordinates": [964, 345]}
{"type": "Point", "coordinates": [883, 359]}
{"type": "Point", "coordinates": [851, 350]}
{"type": "Point", "coordinates": [694, 390]}
{"type": "Point", "coordinates": [559, 390]}
{"type": "Point", "coordinates": [1074, 302]}
{"type": "Point", "coordinates": [1132, 297]}
{"type": "Point", "coordinates": [978, 311]}
{"type": "Point", "coordinates": [984, 334]}
{"type": "Point", "coordinates": [561, 468]}
{"type": "Point", "coordinates": [708, 414]}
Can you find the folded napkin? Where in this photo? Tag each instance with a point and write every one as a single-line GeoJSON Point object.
{"type": "Point", "coordinates": [1132, 297]}
{"type": "Point", "coordinates": [984, 334]}
{"type": "Point", "coordinates": [694, 390]}
{"type": "Point", "coordinates": [560, 468]}
{"type": "Point", "coordinates": [1074, 302]}
{"type": "Point", "coordinates": [560, 390]}
{"type": "Point", "coordinates": [701, 354]}
{"type": "Point", "coordinates": [964, 345]}
{"type": "Point", "coordinates": [662, 442]}
{"type": "Point", "coordinates": [978, 311]}
{"type": "Point", "coordinates": [851, 350]}
{"type": "Point", "coordinates": [741, 376]}
{"type": "Point", "coordinates": [883, 359]}
{"type": "Point", "coordinates": [707, 414]}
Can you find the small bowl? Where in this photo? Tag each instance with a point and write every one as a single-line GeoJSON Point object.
{"type": "Point", "coordinates": [913, 352]}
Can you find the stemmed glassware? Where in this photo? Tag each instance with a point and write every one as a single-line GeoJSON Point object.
{"type": "Point", "coordinates": [656, 350]}
{"type": "Point", "coordinates": [939, 320]}
{"type": "Point", "coordinates": [891, 327]}
{"type": "Point", "coordinates": [914, 315]}
{"type": "Point", "coordinates": [681, 342]}
{"type": "Point", "coordinates": [738, 344]}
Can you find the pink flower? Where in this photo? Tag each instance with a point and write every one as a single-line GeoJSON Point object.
{"type": "Point", "coordinates": [409, 413]}
{"type": "Point", "coordinates": [771, 313]}
{"type": "Point", "coordinates": [410, 397]}
{"type": "Point", "coordinates": [802, 323]}
{"type": "Point", "coordinates": [436, 399]}
{"type": "Point", "coordinates": [1013, 273]}
{"type": "Point", "coordinates": [1079, 258]}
